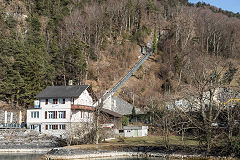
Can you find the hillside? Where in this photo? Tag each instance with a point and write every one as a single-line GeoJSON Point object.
{"type": "Point", "coordinates": [96, 42]}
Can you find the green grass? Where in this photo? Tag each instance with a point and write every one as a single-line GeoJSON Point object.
{"type": "Point", "coordinates": [155, 140]}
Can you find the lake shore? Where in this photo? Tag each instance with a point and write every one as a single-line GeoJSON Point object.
{"type": "Point", "coordinates": [71, 153]}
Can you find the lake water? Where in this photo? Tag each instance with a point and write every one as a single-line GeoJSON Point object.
{"type": "Point", "coordinates": [20, 156]}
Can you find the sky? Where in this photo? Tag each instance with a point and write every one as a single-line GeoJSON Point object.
{"type": "Point", "coordinates": [230, 5]}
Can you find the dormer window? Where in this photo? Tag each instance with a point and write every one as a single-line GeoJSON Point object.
{"type": "Point", "coordinates": [55, 101]}
{"type": "Point", "coordinates": [46, 101]}
{"type": "Point", "coordinates": [62, 101]}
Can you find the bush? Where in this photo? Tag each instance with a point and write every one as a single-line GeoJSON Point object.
{"type": "Point", "coordinates": [236, 146]}
{"type": "Point", "coordinates": [11, 22]}
{"type": "Point", "coordinates": [125, 121]}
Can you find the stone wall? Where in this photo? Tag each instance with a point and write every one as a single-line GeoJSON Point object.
{"type": "Point", "coordinates": [26, 139]}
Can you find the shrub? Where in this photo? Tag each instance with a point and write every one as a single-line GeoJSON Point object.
{"type": "Point", "coordinates": [125, 121]}
{"type": "Point", "coordinates": [236, 146]}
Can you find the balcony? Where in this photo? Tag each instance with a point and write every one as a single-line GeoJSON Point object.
{"type": "Point", "coordinates": [82, 107]}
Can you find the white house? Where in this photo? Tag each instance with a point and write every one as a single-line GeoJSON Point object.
{"type": "Point", "coordinates": [58, 108]}
{"type": "Point", "coordinates": [135, 131]}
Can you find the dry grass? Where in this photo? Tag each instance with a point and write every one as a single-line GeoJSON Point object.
{"type": "Point", "coordinates": [155, 141]}
{"type": "Point", "coordinates": [138, 141]}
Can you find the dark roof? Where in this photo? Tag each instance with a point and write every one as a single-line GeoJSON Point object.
{"type": "Point", "coordinates": [62, 91]}
{"type": "Point", "coordinates": [123, 107]}
{"type": "Point", "coordinates": [115, 114]}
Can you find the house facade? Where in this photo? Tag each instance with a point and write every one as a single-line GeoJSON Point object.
{"type": "Point", "coordinates": [61, 110]}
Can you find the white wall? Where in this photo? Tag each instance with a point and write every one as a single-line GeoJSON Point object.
{"type": "Point", "coordinates": [42, 119]}
{"type": "Point", "coordinates": [107, 104]}
{"type": "Point", "coordinates": [84, 99]}
{"type": "Point", "coordinates": [33, 120]}
{"type": "Point", "coordinates": [58, 132]}
{"type": "Point", "coordinates": [81, 116]}
{"type": "Point", "coordinates": [131, 132]}
{"type": "Point", "coordinates": [50, 104]}
{"type": "Point", "coordinates": [128, 133]}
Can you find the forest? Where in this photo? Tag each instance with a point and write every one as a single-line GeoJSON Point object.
{"type": "Point", "coordinates": [196, 52]}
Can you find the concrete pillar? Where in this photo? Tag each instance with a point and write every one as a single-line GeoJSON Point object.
{"type": "Point", "coordinates": [11, 117]}
{"type": "Point", "coordinates": [5, 117]}
{"type": "Point", "coordinates": [20, 117]}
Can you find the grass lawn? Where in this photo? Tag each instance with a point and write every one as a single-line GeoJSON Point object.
{"type": "Point", "coordinates": [138, 141]}
{"type": "Point", "coordinates": [155, 141]}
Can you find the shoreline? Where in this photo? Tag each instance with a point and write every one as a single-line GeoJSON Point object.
{"type": "Point", "coordinates": [94, 154]}
{"type": "Point", "coordinates": [119, 154]}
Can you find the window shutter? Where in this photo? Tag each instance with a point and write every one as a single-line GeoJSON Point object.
{"type": "Point", "coordinates": [45, 114]}
{"type": "Point", "coordinates": [64, 114]}
{"type": "Point", "coordinates": [46, 127]}
{"type": "Point", "coordinates": [55, 114]}
{"type": "Point", "coordinates": [56, 126]}
{"type": "Point", "coordinates": [63, 127]}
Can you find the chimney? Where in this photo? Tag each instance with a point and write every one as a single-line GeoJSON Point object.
{"type": "Point", "coordinates": [70, 82]}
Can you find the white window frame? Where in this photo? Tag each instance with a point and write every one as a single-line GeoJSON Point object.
{"type": "Point", "coordinates": [61, 114]}
{"type": "Point", "coordinates": [50, 126]}
{"type": "Point", "coordinates": [61, 126]}
{"type": "Point", "coordinates": [50, 114]}
{"type": "Point", "coordinates": [35, 114]}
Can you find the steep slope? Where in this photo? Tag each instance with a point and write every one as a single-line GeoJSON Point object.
{"type": "Point", "coordinates": [97, 42]}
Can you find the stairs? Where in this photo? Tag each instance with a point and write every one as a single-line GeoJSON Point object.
{"type": "Point", "coordinates": [128, 75]}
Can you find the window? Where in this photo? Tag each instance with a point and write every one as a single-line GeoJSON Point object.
{"type": "Point", "coordinates": [121, 131]}
{"type": "Point", "coordinates": [55, 101]}
{"type": "Point", "coordinates": [32, 127]}
{"type": "Point", "coordinates": [62, 114]}
{"type": "Point", "coordinates": [53, 126]}
{"type": "Point", "coordinates": [62, 101]}
{"type": "Point", "coordinates": [62, 126]}
{"type": "Point", "coordinates": [46, 101]}
{"type": "Point", "coordinates": [50, 115]}
{"type": "Point", "coordinates": [35, 114]}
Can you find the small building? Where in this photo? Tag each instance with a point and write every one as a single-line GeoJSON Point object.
{"type": "Point", "coordinates": [135, 131]}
